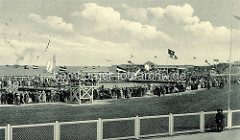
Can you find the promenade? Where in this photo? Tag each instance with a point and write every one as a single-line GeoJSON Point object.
{"type": "Point", "coordinates": [233, 134]}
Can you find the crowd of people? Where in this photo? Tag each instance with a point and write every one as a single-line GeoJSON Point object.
{"type": "Point", "coordinates": [26, 97]}
{"type": "Point", "coordinates": [41, 92]}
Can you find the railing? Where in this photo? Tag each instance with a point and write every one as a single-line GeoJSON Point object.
{"type": "Point", "coordinates": [121, 128]}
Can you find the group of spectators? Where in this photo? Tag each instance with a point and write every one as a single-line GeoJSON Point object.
{"type": "Point", "coordinates": [24, 81]}
{"type": "Point", "coordinates": [40, 92]}
{"type": "Point", "coordinates": [26, 97]}
{"type": "Point", "coordinates": [195, 82]}
{"type": "Point", "coordinates": [168, 88]}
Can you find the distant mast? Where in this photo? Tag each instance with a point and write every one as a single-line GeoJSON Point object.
{"type": "Point", "coordinates": [54, 62]}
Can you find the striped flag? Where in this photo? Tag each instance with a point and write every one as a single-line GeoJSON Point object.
{"type": "Point", "coordinates": [35, 67]}
{"type": "Point", "coordinates": [62, 68]}
{"type": "Point", "coordinates": [121, 70]}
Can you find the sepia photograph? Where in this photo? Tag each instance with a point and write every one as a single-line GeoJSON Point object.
{"type": "Point", "coordinates": [119, 69]}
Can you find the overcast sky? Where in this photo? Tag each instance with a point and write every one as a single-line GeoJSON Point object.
{"type": "Point", "coordinates": [90, 32]}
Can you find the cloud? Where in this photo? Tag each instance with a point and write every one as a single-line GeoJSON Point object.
{"type": "Point", "coordinates": [97, 33]}
{"type": "Point", "coordinates": [106, 23]}
{"type": "Point", "coordinates": [183, 19]}
{"type": "Point", "coordinates": [205, 30]}
{"type": "Point", "coordinates": [135, 14]}
{"type": "Point", "coordinates": [53, 22]}
{"type": "Point", "coordinates": [175, 14]}
{"type": "Point", "coordinates": [180, 14]}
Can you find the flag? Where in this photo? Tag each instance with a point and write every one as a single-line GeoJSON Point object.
{"type": "Point", "coordinates": [216, 61]}
{"type": "Point", "coordinates": [129, 62]}
{"type": "Point", "coordinates": [121, 70]}
{"type": "Point", "coordinates": [35, 67]}
{"type": "Point", "coordinates": [175, 57]}
{"type": "Point", "coordinates": [237, 17]}
{"type": "Point", "coordinates": [170, 52]}
{"type": "Point", "coordinates": [26, 67]}
{"type": "Point", "coordinates": [207, 62]}
{"type": "Point", "coordinates": [194, 57]}
{"type": "Point", "coordinates": [62, 68]}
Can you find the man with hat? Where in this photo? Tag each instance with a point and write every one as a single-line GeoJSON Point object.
{"type": "Point", "coordinates": [219, 120]}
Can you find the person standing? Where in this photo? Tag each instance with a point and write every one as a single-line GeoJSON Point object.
{"type": "Point", "coordinates": [43, 96]}
{"type": "Point", "coordinates": [127, 93]}
{"type": "Point", "coordinates": [219, 119]}
{"type": "Point", "coordinates": [121, 93]}
{"type": "Point", "coordinates": [4, 98]}
{"type": "Point", "coordinates": [18, 99]}
{"type": "Point", "coordinates": [51, 96]}
{"type": "Point", "coordinates": [26, 97]}
{"type": "Point", "coordinates": [163, 90]}
{"type": "Point", "coordinates": [39, 97]}
{"type": "Point", "coordinates": [21, 98]}
{"type": "Point", "coordinates": [0, 97]}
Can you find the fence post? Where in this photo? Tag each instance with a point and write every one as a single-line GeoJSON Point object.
{"type": "Point", "coordinates": [171, 124]}
{"type": "Point", "coordinates": [202, 121]}
{"type": "Point", "coordinates": [8, 132]}
{"type": "Point", "coordinates": [137, 127]}
{"type": "Point", "coordinates": [99, 129]}
{"type": "Point", "coordinates": [56, 131]}
{"type": "Point", "coordinates": [229, 123]}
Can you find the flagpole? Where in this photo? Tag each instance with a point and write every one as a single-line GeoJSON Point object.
{"type": "Point", "coordinates": [167, 68]}
{"type": "Point", "coordinates": [230, 66]}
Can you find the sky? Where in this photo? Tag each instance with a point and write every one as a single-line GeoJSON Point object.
{"type": "Point", "coordinates": [105, 32]}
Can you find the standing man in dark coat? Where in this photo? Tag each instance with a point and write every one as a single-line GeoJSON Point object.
{"type": "Point", "coordinates": [219, 119]}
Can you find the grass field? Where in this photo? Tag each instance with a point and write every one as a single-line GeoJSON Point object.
{"type": "Point", "coordinates": [206, 100]}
